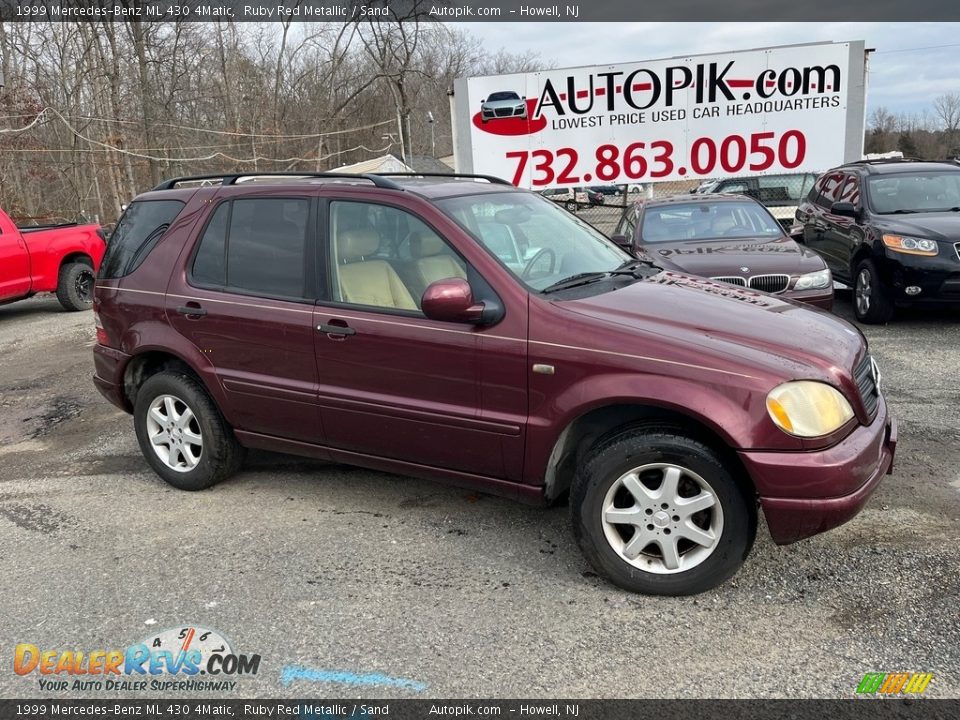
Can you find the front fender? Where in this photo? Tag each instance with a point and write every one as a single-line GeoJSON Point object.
{"type": "Point", "coordinates": [736, 414]}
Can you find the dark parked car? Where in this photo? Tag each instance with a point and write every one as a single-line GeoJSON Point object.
{"type": "Point", "coordinates": [730, 238]}
{"type": "Point", "coordinates": [461, 329]}
{"type": "Point", "coordinates": [890, 229]}
{"type": "Point", "coordinates": [606, 190]}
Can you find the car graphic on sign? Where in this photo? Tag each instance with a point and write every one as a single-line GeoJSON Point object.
{"type": "Point", "coordinates": [503, 104]}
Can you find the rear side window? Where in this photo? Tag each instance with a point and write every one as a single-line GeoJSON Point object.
{"type": "Point", "coordinates": [139, 230]}
{"type": "Point", "coordinates": [257, 246]}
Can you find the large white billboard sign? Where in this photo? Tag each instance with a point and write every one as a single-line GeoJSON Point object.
{"type": "Point", "coordinates": [783, 109]}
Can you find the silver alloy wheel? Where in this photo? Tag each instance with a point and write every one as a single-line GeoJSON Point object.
{"type": "Point", "coordinates": [864, 287]}
{"type": "Point", "coordinates": [663, 530]}
{"type": "Point", "coordinates": [174, 433]}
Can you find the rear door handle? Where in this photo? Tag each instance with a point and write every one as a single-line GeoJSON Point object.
{"type": "Point", "coordinates": [336, 329]}
{"type": "Point", "coordinates": [191, 310]}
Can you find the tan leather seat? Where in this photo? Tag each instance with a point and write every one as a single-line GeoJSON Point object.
{"type": "Point", "coordinates": [434, 261]}
{"type": "Point", "coordinates": [368, 282]}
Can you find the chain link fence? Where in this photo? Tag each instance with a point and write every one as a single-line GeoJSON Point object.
{"type": "Point", "coordinates": [603, 205]}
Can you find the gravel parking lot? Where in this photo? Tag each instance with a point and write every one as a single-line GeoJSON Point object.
{"type": "Point", "coordinates": [335, 568]}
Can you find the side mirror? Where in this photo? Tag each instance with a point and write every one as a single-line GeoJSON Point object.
{"type": "Point", "coordinates": [844, 209]}
{"type": "Point", "coordinates": [483, 100]}
{"type": "Point", "coordinates": [451, 300]}
{"type": "Point", "coordinates": [622, 241]}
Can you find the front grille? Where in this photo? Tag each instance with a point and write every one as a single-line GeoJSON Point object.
{"type": "Point", "coordinates": [869, 392]}
{"type": "Point", "coordinates": [503, 112]}
{"type": "Point", "coordinates": [770, 283]}
{"type": "Point", "coordinates": [733, 280]}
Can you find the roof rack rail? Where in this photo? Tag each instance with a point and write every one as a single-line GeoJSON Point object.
{"type": "Point", "coordinates": [451, 176]}
{"type": "Point", "coordinates": [234, 178]}
{"type": "Point", "coordinates": [883, 161]}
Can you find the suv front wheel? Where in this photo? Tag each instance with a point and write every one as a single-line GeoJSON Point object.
{"type": "Point", "coordinates": [657, 512]}
{"type": "Point", "coordinates": [870, 302]}
{"type": "Point", "coordinates": [182, 434]}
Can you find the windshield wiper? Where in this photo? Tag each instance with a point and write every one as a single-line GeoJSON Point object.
{"type": "Point", "coordinates": [584, 278]}
{"type": "Point", "coordinates": [590, 277]}
{"type": "Point", "coordinates": [902, 211]}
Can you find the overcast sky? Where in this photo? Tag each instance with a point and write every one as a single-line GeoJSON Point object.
{"type": "Point", "coordinates": [903, 78]}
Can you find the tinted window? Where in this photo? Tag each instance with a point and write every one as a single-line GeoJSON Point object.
{"type": "Point", "coordinates": [927, 192]}
{"type": "Point", "coordinates": [503, 96]}
{"type": "Point", "coordinates": [851, 191]}
{"type": "Point", "coordinates": [707, 221]}
{"type": "Point", "coordinates": [257, 245]}
{"type": "Point", "coordinates": [829, 187]}
{"type": "Point", "coordinates": [210, 264]}
{"type": "Point", "coordinates": [139, 230]}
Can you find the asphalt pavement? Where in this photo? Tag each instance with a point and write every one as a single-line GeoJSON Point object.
{"type": "Point", "coordinates": [353, 583]}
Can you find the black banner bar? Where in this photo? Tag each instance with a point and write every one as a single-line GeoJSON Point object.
{"type": "Point", "coordinates": [475, 10]}
{"type": "Point", "coordinates": [261, 709]}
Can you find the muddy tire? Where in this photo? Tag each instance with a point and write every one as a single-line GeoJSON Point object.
{"type": "Point", "coordinates": [658, 512]}
{"type": "Point", "coordinates": [75, 286]}
{"type": "Point", "coordinates": [182, 434]}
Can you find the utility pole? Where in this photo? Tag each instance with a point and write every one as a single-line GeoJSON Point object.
{"type": "Point", "coordinates": [433, 138]}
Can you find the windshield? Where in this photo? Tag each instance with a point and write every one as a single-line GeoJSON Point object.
{"type": "Point", "coordinates": [540, 243]}
{"type": "Point", "coordinates": [502, 96]}
{"type": "Point", "coordinates": [707, 221]}
{"type": "Point", "coordinates": [923, 192]}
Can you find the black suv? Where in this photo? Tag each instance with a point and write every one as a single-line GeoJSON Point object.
{"type": "Point", "coordinates": [889, 228]}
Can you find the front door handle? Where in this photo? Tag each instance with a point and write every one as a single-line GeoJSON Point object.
{"type": "Point", "coordinates": [191, 310]}
{"type": "Point", "coordinates": [332, 329]}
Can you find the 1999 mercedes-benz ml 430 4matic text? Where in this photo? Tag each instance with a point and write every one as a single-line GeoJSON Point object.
{"type": "Point", "coordinates": [457, 328]}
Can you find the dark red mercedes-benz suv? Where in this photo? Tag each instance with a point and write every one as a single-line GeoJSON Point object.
{"type": "Point", "coordinates": [457, 328]}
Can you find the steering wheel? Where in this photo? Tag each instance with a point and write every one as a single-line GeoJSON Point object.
{"type": "Point", "coordinates": [533, 261]}
{"type": "Point", "coordinates": [736, 231]}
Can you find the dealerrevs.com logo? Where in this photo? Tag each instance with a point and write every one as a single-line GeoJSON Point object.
{"type": "Point", "coordinates": [893, 684]}
{"type": "Point", "coordinates": [187, 658]}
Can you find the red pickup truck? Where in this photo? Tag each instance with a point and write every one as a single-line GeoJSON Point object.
{"type": "Point", "coordinates": [53, 258]}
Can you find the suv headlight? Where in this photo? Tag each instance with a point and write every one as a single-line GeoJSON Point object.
{"type": "Point", "coordinates": [910, 245]}
{"type": "Point", "coordinates": [807, 408]}
{"type": "Point", "coordinates": [814, 280]}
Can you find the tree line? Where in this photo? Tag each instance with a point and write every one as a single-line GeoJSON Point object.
{"type": "Point", "coordinates": [932, 134]}
{"type": "Point", "coordinates": [91, 114]}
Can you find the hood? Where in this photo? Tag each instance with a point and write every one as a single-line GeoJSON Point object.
{"type": "Point", "coordinates": [751, 329]}
{"type": "Point", "coordinates": [728, 256]}
{"type": "Point", "coordinates": [934, 226]}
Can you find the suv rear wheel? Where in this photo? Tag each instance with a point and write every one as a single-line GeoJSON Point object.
{"type": "Point", "coordinates": [182, 434]}
{"type": "Point", "coordinates": [657, 512]}
{"type": "Point", "coordinates": [870, 302]}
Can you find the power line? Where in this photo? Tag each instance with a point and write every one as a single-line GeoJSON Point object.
{"type": "Point", "coordinates": [915, 49]}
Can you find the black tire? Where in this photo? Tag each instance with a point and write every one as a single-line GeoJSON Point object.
{"type": "Point", "coordinates": [871, 303]}
{"type": "Point", "coordinates": [571, 206]}
{"type": "Point", "coordinates": [220, 455]}
{"type": "Point", "coordinates": [613, 457]}
{"type": "Point", "coordinates": [75, 286]}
